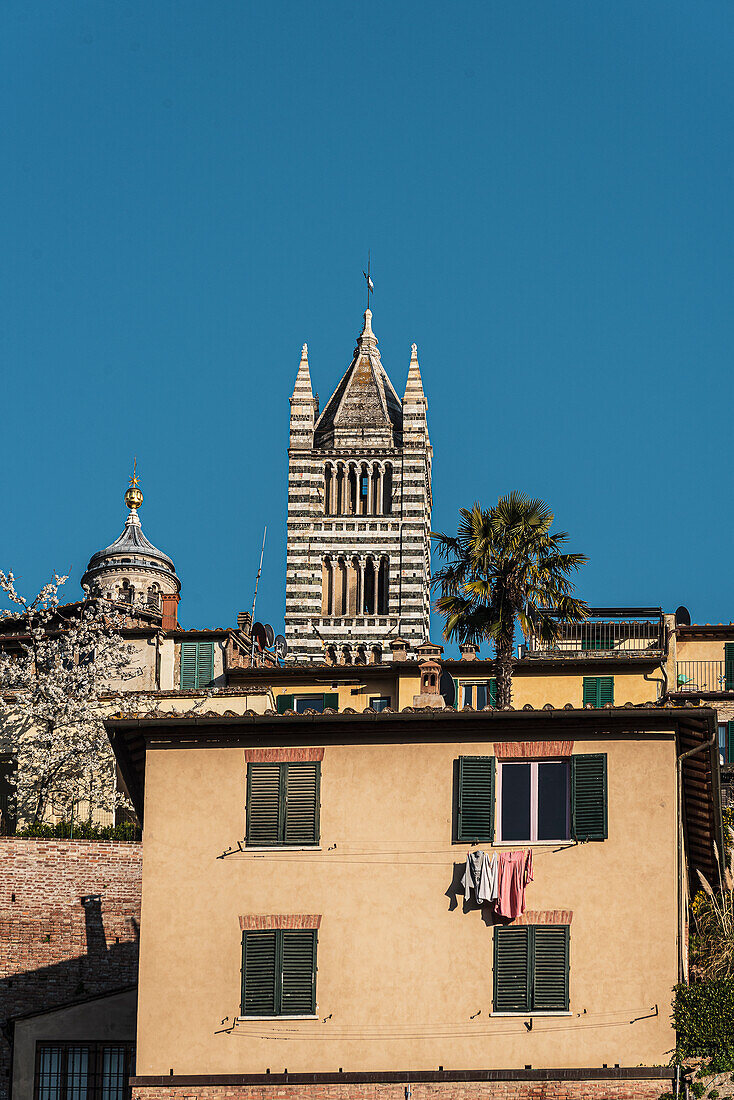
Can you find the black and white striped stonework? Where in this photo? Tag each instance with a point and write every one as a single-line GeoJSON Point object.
{"type": "Point", "coordinates": [359, 513]}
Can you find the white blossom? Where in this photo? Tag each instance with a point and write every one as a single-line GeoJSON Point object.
{"type": "Point", "coordinates": [61, 668]}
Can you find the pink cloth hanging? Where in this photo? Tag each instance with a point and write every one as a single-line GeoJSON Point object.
{"type": "Point", "coordinates": [515, 871]}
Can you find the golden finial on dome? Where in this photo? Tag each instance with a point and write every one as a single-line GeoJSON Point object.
{"type": "Point", "coordinates": [133, 496]}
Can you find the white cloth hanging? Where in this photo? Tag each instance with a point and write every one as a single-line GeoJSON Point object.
{"type": "Point", "coordinates": [480, 875]}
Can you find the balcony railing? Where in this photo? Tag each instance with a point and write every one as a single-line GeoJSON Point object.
{"type": "Point", "coordinates": [613, 634]}
{"type": "Point", "coordinates": [697, 676]}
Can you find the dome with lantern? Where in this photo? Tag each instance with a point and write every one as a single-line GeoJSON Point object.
{"type": "Point", "coordinates": [131, 570]}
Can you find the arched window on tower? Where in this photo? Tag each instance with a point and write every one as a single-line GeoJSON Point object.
{"type": "Point", "coordinates": [127, 593]}
{"type": "Point", "coordinates": [340, 480]}
{"type": "Point", "coordinates": [382, 587]}
{"type": "Point", "coordinates": [328, 488]}
{"type": "Point", "coordinates": [352, 494]}
{"type": "Point", "coordinates": [375, 505]}
{"type": "Point", "coordinates": [327, 588]}
{"type": "Point", "coordinates": [340, 601]}
{"type": "Point", "coordinates": [364, 490]}
{"type": "Point", "coordinates": [387, 490]}
{"type": "Point", "coordinates": [369, 587]}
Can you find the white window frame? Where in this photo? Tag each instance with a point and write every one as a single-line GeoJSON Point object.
{"type": "Point", "coordinates": [464, 684]}
{"type": "Point", "coordinates": [533, 838]}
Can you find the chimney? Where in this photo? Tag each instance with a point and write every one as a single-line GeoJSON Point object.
{"type": "Point", "coordinates": [170, 610]}
{"type": "Point", "coordinates": [429, 651]}
{"type": "Point", "coordinates": [469, 651]}
{"type": "Point", "coordinates": [399, 648]}
{"type": "Point", "coordinates": [244, 621]}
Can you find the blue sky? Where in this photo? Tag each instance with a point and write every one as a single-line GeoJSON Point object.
{"type": "Point", "coordinates": [189, 190]}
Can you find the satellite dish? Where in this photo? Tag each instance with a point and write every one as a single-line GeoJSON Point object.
{"type": "Point", "coordinates": [682, 616]}
{"type": "Point", "coordinates": [447, 689]}
{"type": "Point", "coordinates": [258, 635]}
{"type": "Point", "coordinates": [281, 647]}
{"type": "Point", "coordinates": [269, 634]}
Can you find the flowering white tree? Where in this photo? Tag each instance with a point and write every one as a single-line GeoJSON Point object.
{"type": "Point", "coordinates": [58, 665]}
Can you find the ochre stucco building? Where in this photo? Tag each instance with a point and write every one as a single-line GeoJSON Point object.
{"type": "Point", "coordinates": [303, 915]}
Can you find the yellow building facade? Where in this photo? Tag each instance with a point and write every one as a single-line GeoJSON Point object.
{"type": "Point", "coordinates": [402, 972]}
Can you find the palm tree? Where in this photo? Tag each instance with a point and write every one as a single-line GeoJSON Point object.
{"type": "Point", "coordinates": [504, 567]}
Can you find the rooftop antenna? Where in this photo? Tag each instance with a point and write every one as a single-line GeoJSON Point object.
{"type": "Point", "coordinates": [254, 598]}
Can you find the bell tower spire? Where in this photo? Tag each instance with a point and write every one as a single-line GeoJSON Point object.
{"type": "Point", "coordinates": [359, 512]}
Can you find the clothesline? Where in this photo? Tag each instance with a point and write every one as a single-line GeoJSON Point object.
{"type": "Point", "coordinates": [346, 854]}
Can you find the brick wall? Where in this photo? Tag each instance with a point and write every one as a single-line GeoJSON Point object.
{"type": "Point", "coordinates": [69, 923]}
{"type": "Point", "coordinates": [533, 1088]}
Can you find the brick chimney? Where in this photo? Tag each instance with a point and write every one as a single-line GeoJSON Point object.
{"type": "Point", "coordinates": [244, 621]}
{"type": "Point", "coordinates": [429, 651]}
{"type": "Point", "coordinates": [469, 651]}
{"type": "Point", "coordinates": [170, 610]}
{"type": "Point", "coordinates": [399, 648]}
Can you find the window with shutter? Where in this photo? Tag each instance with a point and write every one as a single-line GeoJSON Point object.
{"type": "Point", "coordinates": [301, 803]}
{"type": "Point", "coordinates": [533, 799]}
{"type": "Point", "coordinates": [531, 966]}
{"type": "Point", "coordinates": [589, 797]}
{"type": "Point", "coordinates": [204, 664]}
{"type": "Point", "coordinates": [188, 665]}
{"type": "Point", "coordinates": [282, 804]}
{"type": "Point", "coordinates": [598, 690]}
{"type": "Point", "coordinates": [197, 664]}
{"type": "Point", "coordinates": [550, 968]}
{"type": "Point", "coordinates": [259, 969]}
{"type": "Point", "coordinates": [729, 666]}
{"type": "Point", "coordinates": [730, 743]}
{"type": "Point", "coordinates": [512, 969]}
{"type": "Point", "coordinates": [279, 973]}
{"type": "Point", "coordinates": [299, 973]}
{"type": "Point", "coordinates": [476, 799]}
{"type": "Point", "coordinates": [477, 694]}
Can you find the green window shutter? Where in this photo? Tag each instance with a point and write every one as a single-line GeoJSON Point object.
{"type": "Point", "coordinates": [476, 799]}
{"type": "Point", "coordinates": [730, 742]}
{"type": "Point", "coordinates": [550, 968]}
{"type": "Point", "coordinates": [259, 973]}
{"type": "Point", "coordinates": [331, 700]}
{"type": "Point", "coordinates": [264, 812]}
{"type": "Point", "coordinates": [512, 969]}
{"type": "Point", "coordinates": [606, 690]}
{"type": "Point", "coordinates": [492, 692]}
{"type": "Point", "coordinates": [589, 797]}
{"type": "Point", "coordinates": [188, 665]}
{"type": "Point", "coordinates": [457, 694]}
{"type": "Point", "coordinates": [729, 666]}
{"type": "Point", "coordinates": [284, 703]}
{"type": "Point", "coordinates": [598, 690]}
{"type": "Point", "coordinates": [591, 691]}
{"type": "Point", "coordinates": [299, 973]}
{"type": "Point", "coordinates": [204, 663]}
{"type": "Point", "coordinates": [302, 803]}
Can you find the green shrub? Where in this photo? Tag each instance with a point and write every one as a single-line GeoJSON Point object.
{"type": "Point", "coordinates": [703, 1016]}
{"type": "Point", "coordinates": [82, 830]}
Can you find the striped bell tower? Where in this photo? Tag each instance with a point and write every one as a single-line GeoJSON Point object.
{"type": "Point", "coordinates": [359, 513]}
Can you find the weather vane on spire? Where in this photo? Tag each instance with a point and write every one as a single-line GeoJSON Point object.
{"type": "Point", "coordinates": [368, 280]}
{"type": "Point", "coordinates": [133, 496]}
